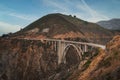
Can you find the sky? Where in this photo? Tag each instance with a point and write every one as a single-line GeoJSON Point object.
{"type": "Point", "coordinates": [17, 14]}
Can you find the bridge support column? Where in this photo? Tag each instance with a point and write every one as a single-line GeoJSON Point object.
{"type": "Point", "coordinates": [49, 43]}
{"type": "Point", "coordinates": [52, 45]}
{"type": "Point", "coordinates": [85, 48]}
{"type": "Point", "coordinates": [61, 47]}
{"type": "Point", "coordinates": [55, 46]}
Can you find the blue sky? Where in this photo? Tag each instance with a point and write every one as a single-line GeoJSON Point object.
{"type": "Point", "coordinates": [16, 14]}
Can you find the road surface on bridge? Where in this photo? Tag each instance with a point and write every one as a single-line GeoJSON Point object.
{"type": "Point", "coordinates": [72, 42]}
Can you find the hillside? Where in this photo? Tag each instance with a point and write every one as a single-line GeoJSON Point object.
{"type": "Point", "coordinates": [113, 24]}
{"type": "Point", "coordinates": [22, 59]}
{"type": "Point", "coordinates": [105, 66]}
{"type": "Point", "coordinates": [109, 67]}
{"type": "Point", "coordinates": [65, 27]}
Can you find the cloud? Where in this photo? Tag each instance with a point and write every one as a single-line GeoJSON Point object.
{"type": "Point", "coordinates": [79, 8]}
{"type": "Point", "coordinates": [4, 10]}
{"type": "Point", "coordinates": [10, 27]}
{"type": "Point", "coordinates": [56, 4]}
{"type": "Point", "coordinates": [23, 16]}
{"type": "Point", "coordinates": [6, 27]}
{"type": "Point", "coordinates": [61, 7]}
{"type": "Point", "coordinates": [95, 16]}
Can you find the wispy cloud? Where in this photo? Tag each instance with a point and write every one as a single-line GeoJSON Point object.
{"type": "Point", "coordinates": [23, 16]}
{"type": "Point", "coordinates": [56, 4]}
{"type": "Point", "coordinates": [6, 27]}
{"type": "Point", "coordinates": [62, 7]}
{"type": "Point", "coordinates": [81, 9]}
{"type": "Point", "coordinates": [95, 16]}
{"type": "Point", "coordinates": [4, 10]}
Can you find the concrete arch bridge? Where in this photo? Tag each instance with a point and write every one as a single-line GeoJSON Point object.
{"type": "Point", "coordinates": [62, 46]}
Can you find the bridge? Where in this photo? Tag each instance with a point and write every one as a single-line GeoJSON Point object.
{"type": "Point", "coordinates": [62, 46]}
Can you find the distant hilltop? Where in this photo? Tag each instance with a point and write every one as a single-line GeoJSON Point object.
{"type": "Point", "coordinates": [113, 24]}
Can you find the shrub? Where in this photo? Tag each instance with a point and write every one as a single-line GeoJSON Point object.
{"type": "Point", "coordinates": [74, 16]}
{"type": "Point", "coordinates": [85, 22]}
{"type": "Point", "coordinates": [86, 65]}
{"type": "Point", "coordinates": [106, 63]}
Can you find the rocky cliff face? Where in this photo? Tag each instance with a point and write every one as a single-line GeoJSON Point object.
{"type": "Point", "coordinates": [105, 66]}
{"type": "Point", "coordinates": [26, 60]}
{"type": "Point", "coordinates": [22, 59]}
{"type": "Point", "coordinates": [109, 67]}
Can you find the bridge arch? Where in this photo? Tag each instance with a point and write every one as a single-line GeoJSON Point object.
{"type": "Point", "coordinates": [77, 56]}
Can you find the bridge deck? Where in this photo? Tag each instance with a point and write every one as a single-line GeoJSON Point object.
{"type": "Point", "coordinates": [72, 42]}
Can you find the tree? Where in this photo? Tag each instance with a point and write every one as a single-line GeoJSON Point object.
{"type": "Point", "coordinates": [85, 22]}
{"type": "Point", "coordinates": [4, 35]}
{"type": "Point", "coordinates": [70, 15]}
{"type": "Point", "coordinates": [74, 16]}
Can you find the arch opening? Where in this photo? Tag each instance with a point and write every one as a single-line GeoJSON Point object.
{"type": "Point", "coordinates": [72, 55]}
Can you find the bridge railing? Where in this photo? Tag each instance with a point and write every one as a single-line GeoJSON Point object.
{"type": "Point", "coordinates": [75, 42]}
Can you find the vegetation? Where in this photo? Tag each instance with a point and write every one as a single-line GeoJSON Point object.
{"type": "Point", "coordinates": [74, 16]}
{"type": "Point", "coordinates": [67, 76]}
{"type": "Point", "coordinates": [85, 22]}
{"type": "Point", "coordinates": [106, 63]}
{"type": "Point", "coordinates": [86, 54]}
{"type": "Point", "coordinates": [40, 44]}
{"type": "Point", "coordinates": [6, 35]}
{"type": "Point", "coordinates": [97, 51]}
{"type": "Point", "coordinates": [86, 65]}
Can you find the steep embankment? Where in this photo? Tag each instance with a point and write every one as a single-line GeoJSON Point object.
{"type": "Point", "coordinates": [33, 60]}
{"type": "Point", "coordinates": [105, 66]}
{"type": "Point", "coordinates": [26, 60]}
{"type": "Point", "coordinates": [22, 59]}
{"type": "Point", "coordinates": [64, 26]}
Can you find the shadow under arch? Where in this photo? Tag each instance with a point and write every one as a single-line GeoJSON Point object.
{"type": "Point", "coordinates": [75, 56]}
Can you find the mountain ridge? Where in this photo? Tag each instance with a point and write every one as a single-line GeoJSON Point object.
{"type": "Point", "coordinates": [113, 24]}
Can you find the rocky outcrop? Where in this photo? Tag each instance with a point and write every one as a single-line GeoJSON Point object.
{"type": "Point", "coordinates": [109, 67]}
{"type": "Point", "coordinates": [105, 66]}
{"type": "Point", "coordinates": [22, 59]}
{"type": "Point", "coordinates": [31, 60]}
{"type": "Point", "coordinates": [26, 60]}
